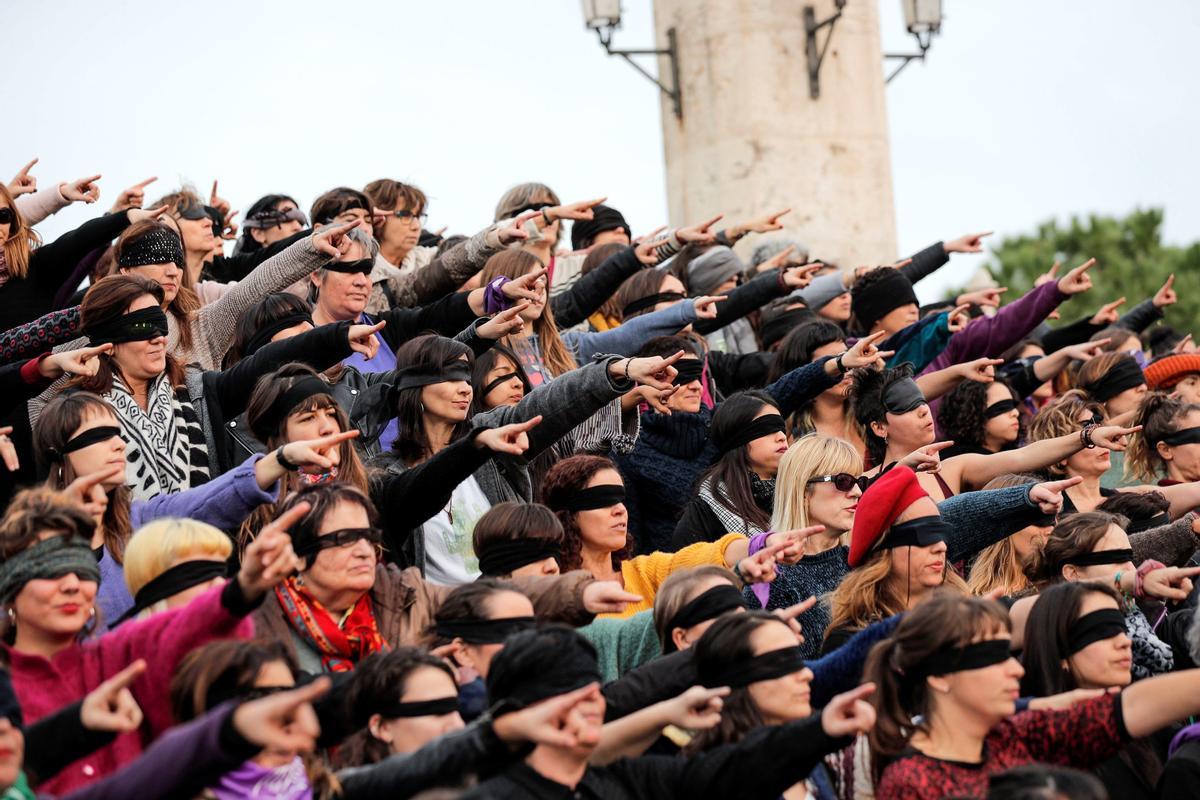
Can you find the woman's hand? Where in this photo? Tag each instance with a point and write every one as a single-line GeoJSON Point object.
{"type": "Point", "coordinates": [84, 190]}
{"type": "Point", "coordinates": [8, 451]}
{"type": "Point", "coordinates": [1077, 280]}
{"type": "Point", "coordinates": [284, 721]}
{"type": "Point", "coordinates": [110, 706]}
{"type": "Point", "coordinates": [926, 459]}
{"type": "Point", "coordinates": [515, 230]}
{"type": "Point", "coordinates": [332, 240]}
{"type": "Point", "coordinates": [505, 323]}
{"type": "Point", "coordinates": [530, 286]}
{"type": "Point", "coordinates": [790, 614]}
{"type": "Point", "coordinates": [983, 297]}
{"type": "Point", "coordinates": [697, 709]}
{"type": "Point", "coordinates": [141, 214]}
{"type": "Point", "coordinates": [607, 597]}
{"type": "Point", "coordinates": [1064, 700]}
{"type": "Point", "coordinates": [510, 440]}
{"type": "Point", "coordinates": [23, 182]}
{"type": "Point", "coordinates": [269, 558]}
{"type": "Point", "coordinates": [1084, 351]}
{"type": "Point", "coordinates": [1112, 437]}
{"type": "Point", "coordinates": [1108, 315]}
{"type": "Point", "coordinates": [849, 714]}
{"type": "Point", "coordinates": [658, 399]}
{"type": "Point", "coordinates": [792, 543]}
{"type": "Point", "coordinates": [1169, 583]}
{"type": "Point", "coordinates": [547, 722]}
{"type": "Point", "coordinates": [133, 197]}
{"type": "Point", "coordinates": [864, 353]}
{"type": "Point", "coordinates": [706, 306]}
{"type": "Point", "coordinates": [84, 361]}
{"type": "Point", "coordinates": [313, 456]}
{"type": "Point", "coordinates": [87, 492]}
{"type": "Point", "coordinates": [699, 234]}
{"type": "Point", "coordinates": [1166, 296]}
{"type": "Point", "coordinates": [967, 243]}
{"type": "Point", "coordinates": [580, 210]}
{"type": "Point", "coordinates": [1049, 495]}
{"type": "Point", "coordinates": [958, 319]}
{"type": "Point", "coordinates": [981, 370]}
{"type": "Point", "coordinates": [801, 275]}
{"type": "Point", "coordinates": [361, 339]}
{"type": "Point", "coordinates": [644, 246]}
{"type": "Point", "coordinates": [220, 204]}
{"type": "Point", "coordinates": [654, 371]}
{"type": "Point", "coordinates": [760, 567]}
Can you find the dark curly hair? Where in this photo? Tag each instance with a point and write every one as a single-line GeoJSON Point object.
{"type": "Point", "coordinates": [866, 398]}
{"type": "Point", "coordinates": [563, 480]}
{"type": "Point", "coordinates": [961, 415]}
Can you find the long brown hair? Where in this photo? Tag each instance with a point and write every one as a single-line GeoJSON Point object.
{"type": "Point", "coordinates": [22, 239]}
{"type": "Point", "coordinates": [595, 257]}
{"type": "Point", "coordinates": [266, 391]}
{"type": "Point", "coordinates": [58, 421]}
{"type": "Point", "coordinates": [998, 566]}
{"type": "Point", "coordinates": [186, 301]}
{"type": "Point", "coordinates": [513, 264]}
{"type": "Point", "coordinates": [901, 694]}
{"type": "Point", "coordinates": [1075, 536]}
{"type": "Point", "coordinates": [110, 299]}
{"type": "Point", "coordinates": [562, 481]}
{"type": "Point", "coordinates": [1159, 414]}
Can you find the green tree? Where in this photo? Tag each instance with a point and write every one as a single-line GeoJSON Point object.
{"type": "Point", "coordinates": [1132, 262]}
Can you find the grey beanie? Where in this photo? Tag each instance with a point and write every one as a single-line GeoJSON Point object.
{"type": "Point", "coordinates": [769, 249]}
{"type": "Point", "coordinates": [712, 268]}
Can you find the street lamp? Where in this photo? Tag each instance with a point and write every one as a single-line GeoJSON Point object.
{"type": "Point", "coordinates": [922, 18]}
{"type": "Point", "coordinates": [816, 54]}
{"type": "Point", "coordinates": [604, 16]}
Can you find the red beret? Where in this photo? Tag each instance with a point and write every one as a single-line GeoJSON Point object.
{"type": "Point", "coordinates": [1165, 372]}
{"type": "Point", "coordinates": [879, 507]}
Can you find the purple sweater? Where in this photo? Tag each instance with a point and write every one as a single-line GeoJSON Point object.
{"type": "Point", "coordinates": [223, 503]}
{"type": "Point", "coordinates": [990, 336]}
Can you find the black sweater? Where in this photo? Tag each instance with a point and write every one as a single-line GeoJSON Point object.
{"type": "Point", "coordinates": [25, 299]}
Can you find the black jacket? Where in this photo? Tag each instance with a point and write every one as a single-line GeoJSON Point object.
{"type": "Point", "coordinates": [592, 290]}
{"type": "Point", "coordinates": [743, 300]}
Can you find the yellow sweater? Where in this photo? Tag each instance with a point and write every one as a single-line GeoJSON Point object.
{"type": "Point", "coordinates": [644, 574]}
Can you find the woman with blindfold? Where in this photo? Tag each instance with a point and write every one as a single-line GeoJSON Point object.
{"type": "Point", "coordinates": [1075, 638]}
{"type": "Point", "coordinates": [899, 428]}
{"type": "Point", "coordinates": [48, 584]}
{"type": "Point", "coordinates": [1166, 449]}
{"type": "Point", "coordinates": [981, 418]}
{"type": "Point", "coordinates": [829, 413]}
{"type": "Point", "coordinates": [947, 686]}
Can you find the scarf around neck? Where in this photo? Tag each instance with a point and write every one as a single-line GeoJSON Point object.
{"type": "Point", "coordinates": [253, 782]}
{"type": "Point", "coordinates": [165, 449]}
{"type": "Point", "coordinates": [764, 495]}
{"type": "Point", "coordinates": [340, 647]}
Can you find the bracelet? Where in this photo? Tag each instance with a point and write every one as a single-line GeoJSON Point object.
{"type": "Point", "coordinates": [628, 361]}
{"type": "Point", "coordinates": [1085, 436]}
{"type": "Point", "coordinates": [1117, 582]}
{"type": "Point", "coordinates": [737, 571]}
{"type": "Point", "coordinates": [546, 218]}
{"type": "Point", "coordinates": [1146, 567]}
{"type": "Point", "coordinates": [283, 462]}
{"type": "Point", "coordinates": [841, 366]}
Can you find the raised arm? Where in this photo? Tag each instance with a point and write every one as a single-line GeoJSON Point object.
{"type": "Point", "coordinates": [576, 303]}
{"type": "Point", "coordinates": [629, 337]}
{"type": "Point", "coordinates": [976, 470]}
{"type": "Point", "coordinates": [41, 335]}
{"type": "Point", "coordinates": [744, 299]}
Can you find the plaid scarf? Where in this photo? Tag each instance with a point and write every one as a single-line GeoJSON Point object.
{"type": "Point", "coordinates": [340, 647]}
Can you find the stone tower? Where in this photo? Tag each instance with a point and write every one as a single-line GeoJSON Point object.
{"type": "Point", "coordinates": [752, 140]}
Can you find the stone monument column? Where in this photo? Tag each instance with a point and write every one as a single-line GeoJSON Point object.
{"type": "Point", "coordinates": [752, 140]}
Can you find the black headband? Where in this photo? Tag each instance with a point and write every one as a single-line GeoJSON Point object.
{"type": "Point", "coordinates": [175, 580]}
{"type": "Point", "coordinates": [424, 708]}
{"type": "Point", "coordinates": [503, 557]}
{"type": "Point", "coordinates": [91, 436]}
{"type": "Point", "coordinates": [363, 265]}
{"type": "Point", "coordinates": [603, 496]}
{"type": "Point", "coordinates": [269, 423]}
{"type": "Point", "coordinates": [263, 336]}
{"type": "Point", "coordinates": [1182, 436]}
{"type": "Point", "coordinates": [707, 605]}
{"type": "Point", "coordinates": [136, 326]}
{"type": "Point", "coordinates": [903, 396]}
{"type": "Point", "coordinates": [412, 377]}
{"type": "Point", "coordinates": [158, 246]}
{"type": "Point", "coordinates": [919, 532]}
{"type": "Point", "coordinates": [999, 408]}
{"type": "Point", "coordinates": [687, 370]}
{"type": "Point", "coordinates": [1100, 557]}
{"type": "Point", "coordinates": [1101, 624]}
{"type": "Point", "coordinates": [766, 667]}
{"type": "Point", "coordinates": [483, 631]}
{"type": "Point", "coordinates": [505, 378]}
{"type": "Point", "coordinates": [973, 656]}
{"type": "Point", "coordinates": [1125, 374]}
{"type": "Point", "coordinates": [871, 303]}
{"type": "Point", "coordinates": [766, 425]}
{"type": "Point", "coordinates": [650, 301]}
{"type": "Point", "coordinates": [779, 326]}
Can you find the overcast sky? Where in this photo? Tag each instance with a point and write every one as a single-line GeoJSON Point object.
{"type": "Point", "coordinates": [1026, 109]}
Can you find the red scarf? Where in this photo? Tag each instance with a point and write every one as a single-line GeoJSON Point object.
{"type": "Point", "coordinates": [340, 648]}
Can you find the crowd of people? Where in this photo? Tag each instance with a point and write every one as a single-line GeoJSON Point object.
{"type": "Point", "coordinates": [323, 504]}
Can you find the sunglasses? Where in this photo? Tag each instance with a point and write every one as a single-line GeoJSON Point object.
{"type": "Point", "coordinates": [347, 536]}
{"type": "Point", "coordinates": [843, 481]}
{"type": "Point", "coordinates": [7, 217]}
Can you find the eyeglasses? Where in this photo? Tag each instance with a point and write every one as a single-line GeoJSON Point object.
{"type": "Point", "coordinates": [343, 537]}
{"type": "Point", "coordinates": [843, 481]}
{"type": "Point", "coordinates": [406, 215]}
{"type": "Point", "coordinates": [7, 217]}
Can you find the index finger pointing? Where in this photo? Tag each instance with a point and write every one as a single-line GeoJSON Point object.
{"type": "Point", "coordinates": [25, 169]}
{"type": "Point", "coordinates": [290, 517]}
{"type": "Point", "coordinates": [144, 183]}
{"type": "Point", "coordinates": [127, 676]}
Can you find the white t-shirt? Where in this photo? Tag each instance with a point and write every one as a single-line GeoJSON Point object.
{"type": "Point", "coordinates": [449, 550]}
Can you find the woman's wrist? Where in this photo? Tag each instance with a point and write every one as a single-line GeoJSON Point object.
{"type": "Point", "coordinates": [284, 462]}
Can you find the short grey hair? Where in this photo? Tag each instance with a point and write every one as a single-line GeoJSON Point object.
{"type": "Point", "coordinates": [366, 240]}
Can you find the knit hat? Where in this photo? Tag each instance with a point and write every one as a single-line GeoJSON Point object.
{"type": "Point", "coordinates": [880, 505]}
{"type": "Point", "coordinates": [1165, 372]}
{"type": "Point", "coordinates": [872, 301]}
{"type": "Point", "coordinates": [584, 231]}
{"type": "Point", "coordinates": [773, 247]}
{"type": "Point", "coordinates": [712, 268]}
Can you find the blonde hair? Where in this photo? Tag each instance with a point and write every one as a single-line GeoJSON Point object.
{"type": "Point", "coordinates": [22, 238]}
{"type": "Point", "coordinates": [812, 455]}
{"type": "Point", "coordinates": [998, 566]}
{"type": "Point", "coordinates": [1060, 417]}
{"type": "Point", "coordinates": [157, 546]}
{"type": "Point", "coordinates": [556, 356]}
{"type": "Point", "coordinates": [866, 595]}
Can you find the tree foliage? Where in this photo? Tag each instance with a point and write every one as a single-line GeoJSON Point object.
{"type": "Point", "coordinates": [1132, 262]}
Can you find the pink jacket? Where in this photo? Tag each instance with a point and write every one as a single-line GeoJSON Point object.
{"type": "Point", "coordinates": [44, 686]}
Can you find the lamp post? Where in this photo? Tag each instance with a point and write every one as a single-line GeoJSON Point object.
{"type": "Point", "coordinates": [923, 19]}
{"type": "Point", "coordinates": [604, 17]}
